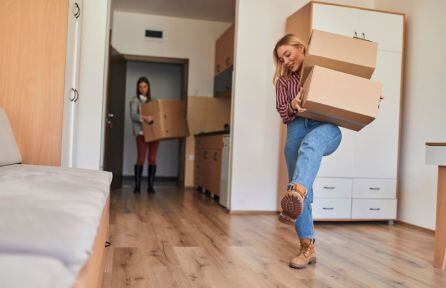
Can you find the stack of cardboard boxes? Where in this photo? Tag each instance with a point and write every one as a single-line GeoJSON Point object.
{"type": "Point", "coordinates": [336, 76]}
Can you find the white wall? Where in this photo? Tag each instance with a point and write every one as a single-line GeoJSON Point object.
{"type": "Point", "coordinates": [183, 38]}
{"type": "Point", "coordinates": [424, 102]}
{"type": "Point", "coordinates": [255, 122]}
{"type": "Point", "coordinates": [93, 73]}
{"type": "Point", "coordinates": [165, 82]}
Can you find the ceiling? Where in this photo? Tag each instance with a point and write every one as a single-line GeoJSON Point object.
{"type": "Point", "coordinates": [213, 10]}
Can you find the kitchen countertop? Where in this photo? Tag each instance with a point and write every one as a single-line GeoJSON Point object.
{"type": "Point", "coordinates": [220, 132]}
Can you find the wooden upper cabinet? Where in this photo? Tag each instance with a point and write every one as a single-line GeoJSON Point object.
{"type": "Point", "coordinates": [224, 51]}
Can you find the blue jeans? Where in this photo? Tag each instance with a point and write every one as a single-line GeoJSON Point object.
{"type": "Point", "coordinates": [306, 142]}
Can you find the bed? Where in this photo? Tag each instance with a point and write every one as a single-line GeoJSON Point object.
{"type": "Point", "coordinates": [53, 221]}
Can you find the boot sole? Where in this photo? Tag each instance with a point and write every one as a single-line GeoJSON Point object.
{"type": "Point", "coordinates": [292, 205]}
{"type": "Point", "coordinates": [295, 266]}
{"type": "Point", "coordinates": [285, 219]}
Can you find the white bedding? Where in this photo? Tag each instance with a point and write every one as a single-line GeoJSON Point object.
{"type": "Point", "coordinates": [51, 211]}
{"type": "Point", "coordinates": [23, 271]}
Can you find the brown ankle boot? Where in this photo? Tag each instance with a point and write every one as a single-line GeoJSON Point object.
{"type": "Point", "coordinates": [292, 203]}
{"type": "Point", "coordinates": [306, 256]}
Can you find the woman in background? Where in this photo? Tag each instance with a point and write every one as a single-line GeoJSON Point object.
{"type": "Point", "coordinates": [143, 96]}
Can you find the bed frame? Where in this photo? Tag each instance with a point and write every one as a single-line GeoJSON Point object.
{"type": "Point", "coordinates": [92, 273]}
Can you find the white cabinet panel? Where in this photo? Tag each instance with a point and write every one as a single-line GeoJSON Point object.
{"type": "Point", "coordinates": [384, 28]}
{"type": "Point", "coordinates": [376, 147]}
{"type": "Point", "coordinates": [335, 19]}
{"type": "Point", "coordinates": [374, 209]}
{"type": "Point", "coordinates": [332, 208]}
{"type": "Point", "coordinates": [71, 89]}
{"type": "Point", "coordinates": [341, 162]}
{"type": "Point", "coordinates": [332, 188]}
{"type": "Point", "coordinates": [374, 188]}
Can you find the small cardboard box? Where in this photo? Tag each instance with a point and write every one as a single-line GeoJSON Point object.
{"type": "Point", "coordinates": [345, 100]}
{"type": "Point", "coordinates": [341, 53]}
{"type": "Point", "coordinates": [169, 120]}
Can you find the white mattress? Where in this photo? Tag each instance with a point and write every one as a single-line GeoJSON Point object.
{"type": "Point", "coordinates": [23, 271]}
{"type": "Point", "coordinates": [51, 211]}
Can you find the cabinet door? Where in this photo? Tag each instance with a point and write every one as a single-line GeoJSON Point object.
{"type": "Point", "coordinates": [341, 162]}
{"type": "Point", "coordinates": [384, 28]}
{"type": "Point", "coordinates": [204, 169]}
{"type": "Point", "coordinates": [214, 171]}
{"type": "Point", "coordinates": [335, 19]}
{"type": "Point", "coordinates": [223, 83]}
{"type": "Point", "coordinates": [224, 51]}
{"type": "Point", "coordinates": [72, 68]}
{"type": "Point", "coordinates": [228, 56]}
{"type": "Point", "coordinates": [219, 56]}
{"type": "Point", "coordinates": [198, 170]}
{"type": "Point", "coordinates": [376, 149]}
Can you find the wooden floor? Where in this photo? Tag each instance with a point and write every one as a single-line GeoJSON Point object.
{"type": "Point", "coordinates": [181, 238]}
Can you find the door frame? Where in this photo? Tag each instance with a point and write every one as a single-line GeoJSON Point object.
{"type": "Point", "coordinates": [114, 55]}
{"type": "Point", "coordinates": [184, 62]}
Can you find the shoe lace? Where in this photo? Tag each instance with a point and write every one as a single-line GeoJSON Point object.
{"type": "Point", "coordinates": [305, 249]}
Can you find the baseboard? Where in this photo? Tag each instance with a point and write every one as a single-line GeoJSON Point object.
{"type": "Point", "coordinates": [412, 226]}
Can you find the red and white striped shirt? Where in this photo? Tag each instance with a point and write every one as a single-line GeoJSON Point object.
{"type": "Point", "coordinates": [286, 90]}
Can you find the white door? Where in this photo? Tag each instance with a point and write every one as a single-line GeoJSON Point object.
{"type": "Point", "coordinates": [386, 29]}
{"type": "Point", "coordinates": [335, 19]}
{"type": "Point", "coordinates": [376, 149]}
{"type": "Point", "coordinates": [71, 92]}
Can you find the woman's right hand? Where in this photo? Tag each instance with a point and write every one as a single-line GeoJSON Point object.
{"type": "Point", "coordinates": [147, 118]}
{"type": "Point", "coordinates": [296, 103]}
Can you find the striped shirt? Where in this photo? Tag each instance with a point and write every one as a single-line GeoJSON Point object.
{"type": "Point", "coordinates": [286, 90]}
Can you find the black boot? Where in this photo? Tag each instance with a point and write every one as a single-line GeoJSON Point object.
{"type": "Point", "coordinates": [138, 175]}
{"type": "Point", "coordinates": [151, 179]}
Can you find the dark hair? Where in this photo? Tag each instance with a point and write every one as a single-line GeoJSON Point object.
{"type": "Point", "coordinates": [143, 80]}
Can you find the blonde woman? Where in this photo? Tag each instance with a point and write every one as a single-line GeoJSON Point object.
{"type": "Point", "coordinates": [307, 141]}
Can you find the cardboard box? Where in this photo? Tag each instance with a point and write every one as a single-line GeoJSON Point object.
{"type": "Point", "coordinates": [340, 98]}
{"type": "Point", "coordinates": [341, 53]}
{"type": "Point", "coordinates": [170, 120]}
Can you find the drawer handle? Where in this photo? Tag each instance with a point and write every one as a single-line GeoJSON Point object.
{"type": "Point", "coordinates": [327, 208]}
{"type": "Point", "coordinates": [374, 188]}
{"type": "Point", "coordinates": [375, 209]}
{"type": "Point", "coordinates": [329, 187]}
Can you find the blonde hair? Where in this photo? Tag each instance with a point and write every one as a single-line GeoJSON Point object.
{"type": "Point", "coordinates": [290, 40]}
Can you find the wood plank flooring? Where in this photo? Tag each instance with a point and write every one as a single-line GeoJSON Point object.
{"type": "Point", "coordinates": [181, 238]}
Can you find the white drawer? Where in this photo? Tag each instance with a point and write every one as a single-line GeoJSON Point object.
{"type": "Point", "coordinates": [335, 208]}
{"type": "Point", "coordinates": [374, 188]}
{"type": "Point", "coordinates": [332, 188]}
{"type": "Point", "coordinates": [374, 209]}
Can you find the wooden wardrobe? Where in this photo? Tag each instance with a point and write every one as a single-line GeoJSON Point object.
{"type": "Point", "coordinates": [32, 75]}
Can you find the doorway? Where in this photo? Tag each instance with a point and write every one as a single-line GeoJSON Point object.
{"type": "Point", "coordinates": [168, 79]}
